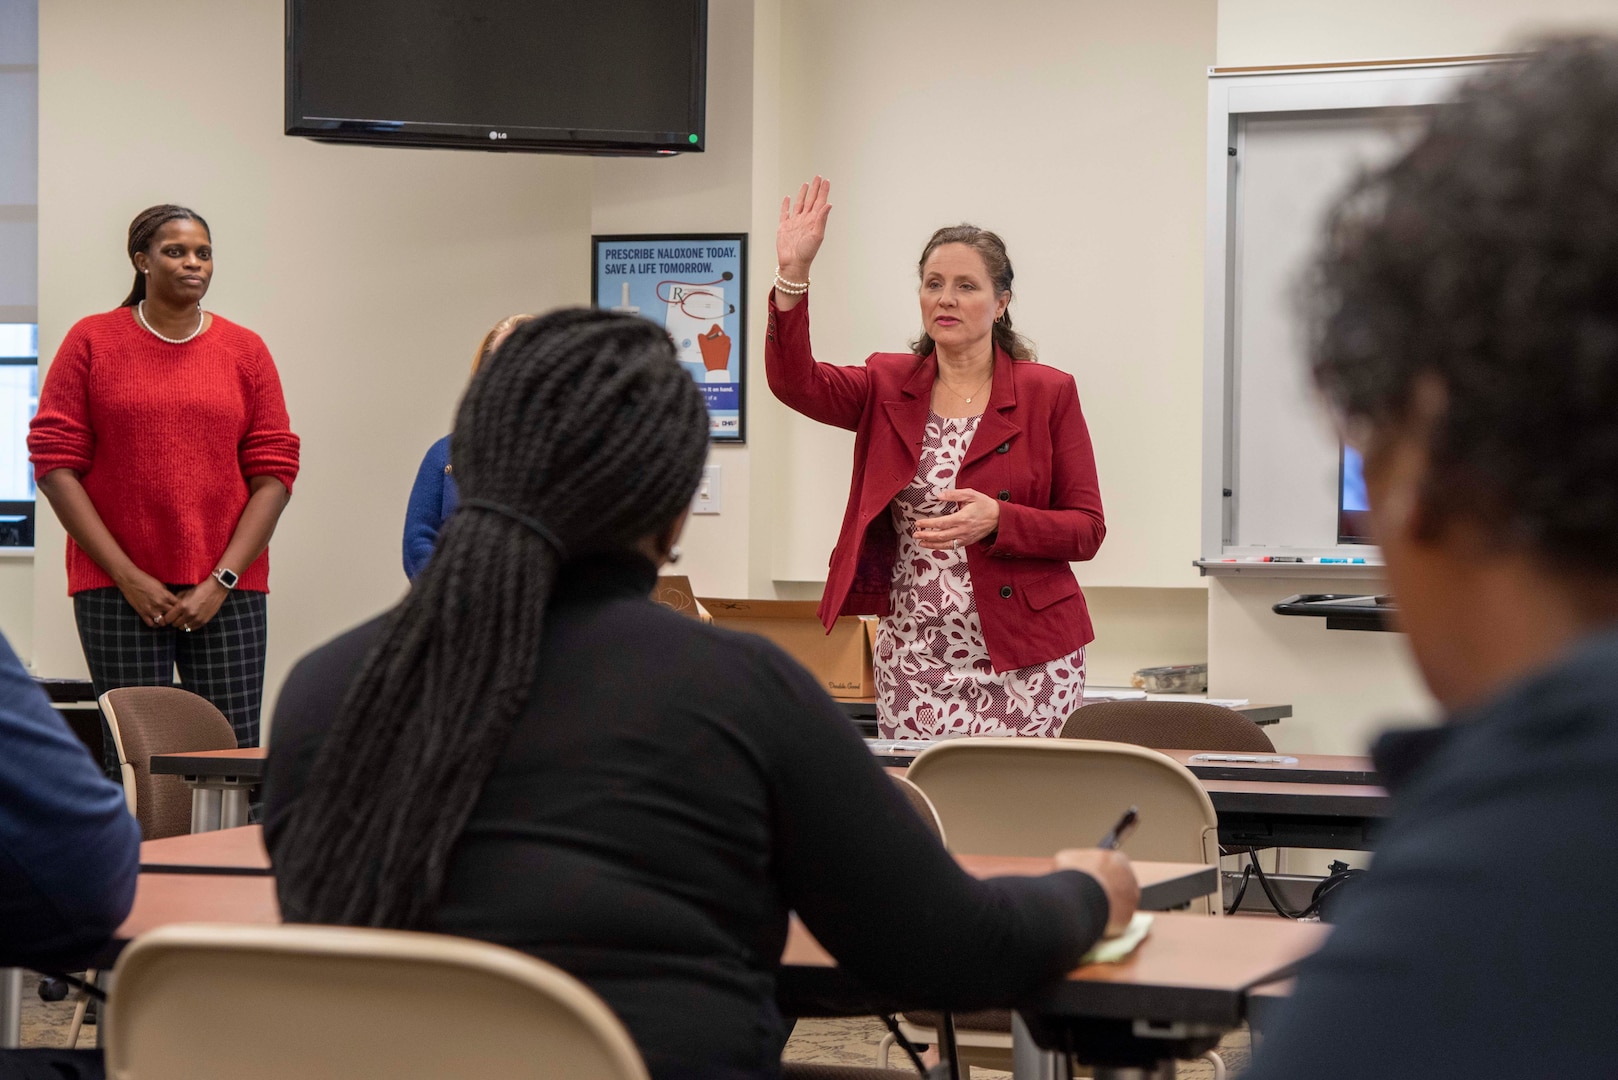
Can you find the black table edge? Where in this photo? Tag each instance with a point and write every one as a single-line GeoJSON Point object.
{"type": "Point", "coordinates": [216, 871]}
{"type": "Point", "coordinates": [211, 768]}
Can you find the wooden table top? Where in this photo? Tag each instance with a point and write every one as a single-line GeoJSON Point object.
{"type": "Point", "coordinates": [165, 899]}
{"type": "Point", "coordinates": [247, 763]}
{"type": "Point", "coordinates": [1279, 797]}
{"type": "Point", "coordinates": [223, 851]}
{"type": "Point", "coordinates": [198, 895]}
{"type": "Point", "coordinates": [241, 852]}
{"type": "Point", "coordinates": [1163, 885]}
{"type": "Point", "coordinates": [1194, 968]}
{"type": "Point", "coordinates": [1191, 967]}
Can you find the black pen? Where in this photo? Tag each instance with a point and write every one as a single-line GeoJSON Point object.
{"type": "Point", "coordinates": [1120, 831]}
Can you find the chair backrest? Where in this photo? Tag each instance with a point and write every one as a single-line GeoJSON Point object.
{"type": "Point", "coordinates": [147, 720]}
{"type": "Point", "coordinates": [336, 1003]}
{"type": "Point", "coordinates": [1168, 725]}
{"type": "Point", "coordinates": [1037, 796]}
{"type": "Point", "coordinates": [922, 805]}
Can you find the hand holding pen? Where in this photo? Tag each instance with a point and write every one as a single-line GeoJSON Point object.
{"type": "Point", "coordinates": [1112, 871]}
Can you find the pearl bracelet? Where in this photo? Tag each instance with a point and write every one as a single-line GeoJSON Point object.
{"type": "Point", "coordinates": [790, 288]}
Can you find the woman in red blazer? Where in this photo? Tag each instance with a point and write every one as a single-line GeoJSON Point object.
{"type": "Point", "coordinates": [974, 489]}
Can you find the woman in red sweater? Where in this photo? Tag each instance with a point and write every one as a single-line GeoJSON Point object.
{"type": "Point", "coordinates": [163, 445]}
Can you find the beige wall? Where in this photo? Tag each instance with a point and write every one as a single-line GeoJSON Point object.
{"type": "Point", "coordinates": [707, 192]}
{"type": "Point", "coordinates": [1266, 32]}
{"type": "Point", "coordinates": [1075, 130]}
{"type": "Point", "coordinates": [371, 273]}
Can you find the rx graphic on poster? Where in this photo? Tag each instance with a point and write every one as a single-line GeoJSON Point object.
{"type": "Point", "coordinates": [695, 287]}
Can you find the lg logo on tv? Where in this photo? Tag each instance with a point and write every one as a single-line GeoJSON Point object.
{"type": "Point", "coordinates": [497, 134]}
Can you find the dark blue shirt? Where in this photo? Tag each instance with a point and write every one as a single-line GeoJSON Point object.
{"type": "Point", "coordinates": [1481, 942]}
{"type": "Point", "coordinates": [432, 500]}
{"type": "Point", "coordinates": [69, 849]}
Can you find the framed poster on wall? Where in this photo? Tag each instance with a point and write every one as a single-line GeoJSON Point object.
{"type": "Point", "coordinates": [695, 286]}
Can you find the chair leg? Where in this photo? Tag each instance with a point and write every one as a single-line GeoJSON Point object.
{"type": "Point", "coordinates": [80, 1004]}
{"type": "Point", "coordinates": [1218, 1064]}
{"type": "Point", "coordinates": [882, 1049]}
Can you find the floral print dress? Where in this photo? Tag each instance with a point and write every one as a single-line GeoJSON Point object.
{"type": "Point", "coordinates": [933, 675]}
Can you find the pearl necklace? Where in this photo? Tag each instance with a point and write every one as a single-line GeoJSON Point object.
{"type": "Point", "coordinates": [140, 313]}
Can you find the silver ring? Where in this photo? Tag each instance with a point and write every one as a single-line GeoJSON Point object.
{"type": "Point", "coordinates": [157, 620]}
{"type": "Point", "coordinates": [187, 629]}
{"type": "Point", "coordinates": [957, 543]}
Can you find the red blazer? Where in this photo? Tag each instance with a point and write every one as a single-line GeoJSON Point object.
{"type": "Point", "coordinates": [1031, 449]}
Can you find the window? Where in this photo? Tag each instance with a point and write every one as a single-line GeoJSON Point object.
{"type": "Point", "coordinates": [19, 398]}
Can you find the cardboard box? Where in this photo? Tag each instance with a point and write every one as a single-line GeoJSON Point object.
{"type": "Point", "coordinates": [841, 660]}
{"type": "Point", "coordinates": [674, 591]}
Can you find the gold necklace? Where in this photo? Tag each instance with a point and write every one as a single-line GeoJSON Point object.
{"type": "Point", "coordinates": [975, 393]}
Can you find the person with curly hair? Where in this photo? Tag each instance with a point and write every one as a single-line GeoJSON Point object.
{"type": "Point", "coordinates": [1465, 331]}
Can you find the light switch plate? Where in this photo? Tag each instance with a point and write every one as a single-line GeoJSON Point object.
{"type": "Point", "coordinates": [708, 491]}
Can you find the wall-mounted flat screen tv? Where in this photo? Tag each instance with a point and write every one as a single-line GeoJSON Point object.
{"type": "Point", "coordinates": [568, 76]}
{"type": "Point", "coordinates": [1353, 508]}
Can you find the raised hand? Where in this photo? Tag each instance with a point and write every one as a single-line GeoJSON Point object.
{"type": "Point", "coordinates": [802, 229]}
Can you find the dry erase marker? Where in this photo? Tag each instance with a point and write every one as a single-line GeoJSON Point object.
{"type": "Point", "coordinates": [1359, 562]}
{"type": "Point", "coordinates": [1125, 826]}
{"type": "Point", "coordinates": [1282, 558]}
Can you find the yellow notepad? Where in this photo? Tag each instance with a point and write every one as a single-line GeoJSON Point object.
{"type": "Point", "coordinates": [1112, 950]}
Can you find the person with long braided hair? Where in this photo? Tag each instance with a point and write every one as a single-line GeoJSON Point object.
{"type": "Point", "coordinates": [163, 445]}
{"type": "Point", "coordinates": [530, 751]}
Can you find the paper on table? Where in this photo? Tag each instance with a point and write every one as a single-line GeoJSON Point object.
{"type": "Point", "coordinates": [898, 747]}
{"type": "Point", "coordinates": [1228, 702]}
{"type": "Point", "coordinates": [1113, 693]}
{"type": "Point", "coordinates": [1112, 950]}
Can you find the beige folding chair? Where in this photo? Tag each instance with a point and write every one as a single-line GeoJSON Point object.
{"type": "Point", "coordinates": [1169, 725]}
{"type": "Point", "coordinates": [922, 805]}
{"type": "Point", "coordinates": [147, 720]}
{"type": "Point", "coordinates": [200, 1002]}
{"type": "Point", "coordinates": [1037, 796]}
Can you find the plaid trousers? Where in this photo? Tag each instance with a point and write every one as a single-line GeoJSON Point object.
{"type": "Point", "coordinates": [222, 661]}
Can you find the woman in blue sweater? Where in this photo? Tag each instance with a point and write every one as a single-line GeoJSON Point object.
{"type": "Point", "coordinates": [433, 498]}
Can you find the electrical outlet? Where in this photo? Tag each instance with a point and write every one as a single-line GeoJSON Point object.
{"type": "Point", "coordinates": [708, 491]}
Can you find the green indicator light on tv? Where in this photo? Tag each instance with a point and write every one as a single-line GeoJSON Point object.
{"type": "Point", "coordinates": [691, 138]}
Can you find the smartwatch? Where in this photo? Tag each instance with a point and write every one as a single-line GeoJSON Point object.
{"type": "Point", "coordinates": [227, 578]}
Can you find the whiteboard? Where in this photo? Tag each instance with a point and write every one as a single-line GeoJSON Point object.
{"type": "Point", "coordinates": [1290, 172]}
{"type": "Point", "coordinates": [1283, 147]}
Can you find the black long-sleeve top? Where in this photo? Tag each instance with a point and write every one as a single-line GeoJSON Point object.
{"type": "Point", "coordinates": [1481, 942]}
{"type": "Point", "coordinates": [671, 792]}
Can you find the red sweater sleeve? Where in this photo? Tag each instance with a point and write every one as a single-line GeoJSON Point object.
{"type": "Point", "coordinates": [1073, 527]}
{"type": "Point", "coordinates": [829, 393]}
{"type": "Point", "coordinates": [269, 448]}
{"type": "Point", "coordinates": [60, 436]}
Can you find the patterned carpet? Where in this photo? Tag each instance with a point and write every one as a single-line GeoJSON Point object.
{"type": "Point", "coordinates": [46, 1023]}
{"type": "Point", "coordinates": [853, 1041]}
